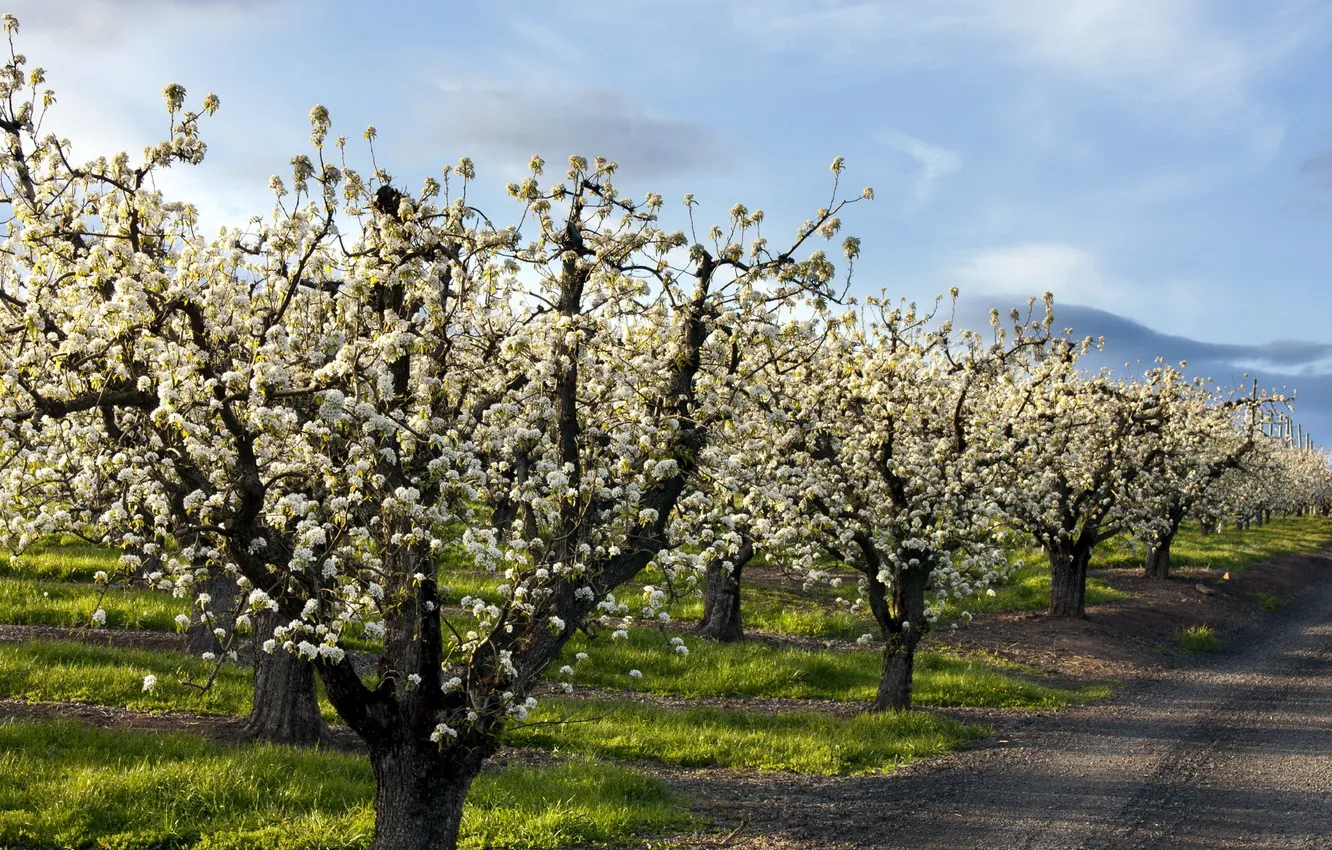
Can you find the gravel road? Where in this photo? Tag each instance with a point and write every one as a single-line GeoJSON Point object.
{"type": "Point", "coordinates": [1231, 752]}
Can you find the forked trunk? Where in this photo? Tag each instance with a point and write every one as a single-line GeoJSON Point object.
{"type": "Point", "coordinates": [419, 794]}
{"type": "Point", "coordinates": [1157, 562]}
{"type": "Point", "coordinates": [721, 598]}
{"type": "Point", "coordinates": [1068, 580]}
{"type": "Point", "coordinates": [286, 704]}
{"type": "Point", "coordinates": [899, 663]}
{"type": "Point", "coordinates": [902, 631]}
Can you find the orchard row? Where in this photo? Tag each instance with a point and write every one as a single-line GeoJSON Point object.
{"type": "Point", "coordinates": [293, 423]}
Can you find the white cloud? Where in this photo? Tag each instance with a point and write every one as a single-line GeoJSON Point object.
{"type": "Point", "coordinates": [935, 162]}
{"type": "Point", "coordinates": [517, 122]}
{"type": "Point", "coordinates": [1075, 276]}
{"type": "Point", "coordinates": [107, 61]}
{"type": "Point", "coordinates": [1150, 51]}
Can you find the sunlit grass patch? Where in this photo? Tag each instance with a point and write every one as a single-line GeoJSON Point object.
{"type": "Point", "coordinates": [50, 603]}
{"type": "Point", "coordinates": [1228, 549]}
{"type": "Point", "coordinates": [64, 785]}
{"type": "Point", "coordinates": [62, 559]}
{"type": "Point", "coordinates": [799, 741]}
{"type": "Point", "coordinates": [947, 680]}
{"type": "Point", "coordinates": [39, 671]}
{"type": "Point", "coordinates": [1027, 589]}
{"type": "Point", "coordinates": [757, 670]}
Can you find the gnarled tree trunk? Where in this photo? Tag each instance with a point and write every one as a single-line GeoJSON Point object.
{"type": "Point", "coordinates": [286, 704]}
{"type": "Point", "coordinates": [902, 630]}
{"type": "Point", "coordinates": [721, 597]}
{"type": "Point", "coordinates": [1157, 562]}
{"type": "Point", "coordinates": [419, 793]}
{"type": "Point", "coordinates": [1068, 578]}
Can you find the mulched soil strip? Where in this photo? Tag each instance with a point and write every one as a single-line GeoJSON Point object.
{"type": "Point", "coordinates": [118, 638]}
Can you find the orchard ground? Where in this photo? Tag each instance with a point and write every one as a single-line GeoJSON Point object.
{"type": "Point", "coordinates": [759, 744]}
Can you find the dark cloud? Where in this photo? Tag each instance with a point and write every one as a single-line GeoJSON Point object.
{"type": "Point", "coordinates": [1131, 336]}
{"type": "Point", "coordinates": [1282, 365]}
{"type": "Point", "coordinates": [590, 122]}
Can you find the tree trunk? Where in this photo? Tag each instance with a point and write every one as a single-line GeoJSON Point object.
{"type": "Point", "coordinates": [1068, 580]}
{"type": "Point", "coordinates": [1157, 562]}
{"type": "Point", "coordinates": [199, 636]}
{"type": "Point", "coordinates": [286, 704]}
{"type": "Point", "coordinates": [902, 632]}
{"type": "Point", "coordinates": [419, 794]}
{"type": "Point", "coordinates": [721, 598]}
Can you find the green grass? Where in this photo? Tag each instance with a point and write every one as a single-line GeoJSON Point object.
{"type": "Point", "coordinates": [46, 603]}
{"type": "Point", "coordinates": [799, 741]}
{"type": "Point", "coordinates": [1028, 589]}
{"type": "Point", "coordinates": [1201, 638]}
{"type": "Point", "coordinates": [66, 559]}
{"type": "Point", "coordinates": [755, 670]}
{"type": "Point", "coordinates": [40, 671]}
{"type": "Point", "coordinates": [1228, 550]}
{"type": "Point", "coordinates": [789, 610]}
{"type": "Point", "coordinates": [64, 785]}
{"type": "Point", "coordinates": [1269, 603]}
{"type": "Point", "coordinates": [465, 582]}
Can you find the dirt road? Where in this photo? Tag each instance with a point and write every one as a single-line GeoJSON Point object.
{"type": "Point", "coordinates": [1233, 752]}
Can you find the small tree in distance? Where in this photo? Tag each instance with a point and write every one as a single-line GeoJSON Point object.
{"type": "Point", "coordinates": [881, 452]}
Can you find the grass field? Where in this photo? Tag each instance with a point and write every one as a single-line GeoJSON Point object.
{"type": "Point", "coordinates": [65, 559]}
{"type": "Point", "coordinates": [30, 602]}
{"type": "Point", "coordinates": [65, 785]}
{"type": "Point", "coordinates": [797, 741]}
{"type": "Point", "coordinates": [1228, 549]}
{"type": "Point", "coordinates": [714, 670]}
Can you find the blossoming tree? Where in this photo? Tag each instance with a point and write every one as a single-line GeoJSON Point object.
{"type": "Point", "coordinates": [881, 453]}
{"type": "Point", "coordinates": [1075, 447]}
{"type": "Point", "coordinates": [324, 405]}
{"type": "Point", "coordinates": [1203, 435]}
{"type": "Point", "coordinates": [123, 334]}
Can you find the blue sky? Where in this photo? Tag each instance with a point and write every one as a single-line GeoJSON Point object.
{"type": "Point", "coordinates": [1163, 166]}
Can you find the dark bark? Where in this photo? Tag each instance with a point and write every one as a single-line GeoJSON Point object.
{"type": "Point", "coordinates": [286, 704]}
{"type": "Point", "coordinates": [721, 598]}
{"type": "Point", "coordinates": [902, 633]}
{"type": "Point", "coordinates": [1157, 562]}
{"type": "Point", "coordinates": [419, 794]}
{"type": "Point", "coordinates": [200, 636]}
{"type": "Point", "coordinates": [1068, 578]}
